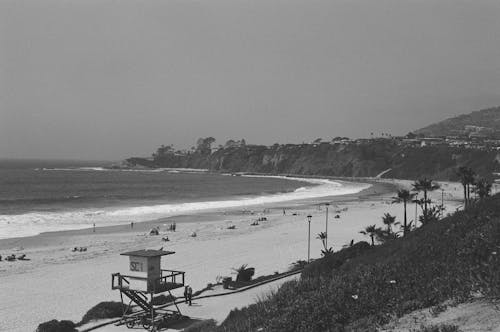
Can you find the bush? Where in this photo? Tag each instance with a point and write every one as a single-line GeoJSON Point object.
{"type": "Point", "coordinates": [326, 264]}
{"type": "Point", "coordinates": [244, 273]}
{"type": "Point", "coordinates": [57, 326]}
{"type": "Point", "coordinates": [365, 286]}
{"type": "Point", "coordinates": [104, 310]}
{"type": "Point", "coordinates": [208, 325]}
{"type": "Point", "coordinates": [163, 299]}
{"type": "Point", "coordinates": [297, 265]}
{"type": "Point", "coordinates": [438, 328]}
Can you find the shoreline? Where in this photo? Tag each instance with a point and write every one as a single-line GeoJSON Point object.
{"type": "Point", "coordinates": [182, 216]}
{"type": "Point", "coordinates": [211, 215]}
{"type": "Point", "coordinates": [64, 285]}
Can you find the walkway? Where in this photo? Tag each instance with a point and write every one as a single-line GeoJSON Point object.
{"type": "Point", "coordinates": [215, 307]}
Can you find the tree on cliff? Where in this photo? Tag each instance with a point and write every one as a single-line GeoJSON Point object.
{"type": "Point", "coordinates": [204, 145]}
{"type": "Point", "coordinates": [163, 150]}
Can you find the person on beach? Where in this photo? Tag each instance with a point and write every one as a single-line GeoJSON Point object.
{"type": "Point", "coordinates": [93, 229]}
{"type": "Point", "coordinates": [131, 224]}
{"type": "Point", "coordinates": [186, 294]}
{"type": "Point", "coordinates": [284, 212]}
{"type": "Point", "coordinates": [190, 295]}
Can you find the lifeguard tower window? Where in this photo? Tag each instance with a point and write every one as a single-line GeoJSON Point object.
{"type": "Point", "coordinates": [146, 273]}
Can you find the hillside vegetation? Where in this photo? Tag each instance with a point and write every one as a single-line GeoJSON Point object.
{"type": "Point", "coordinates": [487, 118]}
{"type": "Point", "coordinates": [347, 160]}
{"type": "Point", "coordinates": [363, 287]}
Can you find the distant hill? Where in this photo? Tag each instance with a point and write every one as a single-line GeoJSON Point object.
{"type": "Point", "coordinates": [483, 123]}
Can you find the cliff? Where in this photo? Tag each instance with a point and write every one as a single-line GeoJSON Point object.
{"type": "Point", "coordinates": [366, 159]}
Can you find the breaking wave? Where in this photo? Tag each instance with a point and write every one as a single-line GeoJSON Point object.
{"type": "Point", "coordinates": [34, 223]}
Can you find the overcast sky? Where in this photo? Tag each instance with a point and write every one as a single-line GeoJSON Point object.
{"type": "Point", "coordinates": [109, 79]}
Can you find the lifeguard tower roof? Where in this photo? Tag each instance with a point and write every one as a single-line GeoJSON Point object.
{"type": "Point", "coordinates": [148, 253]}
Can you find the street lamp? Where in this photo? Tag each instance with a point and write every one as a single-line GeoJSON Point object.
{"type": "Point", "coordinates": [416, 210]}
{"type": "Point", "coordinates": [442, 202]}
{"type": "Point", "coordinates": [309, 239]}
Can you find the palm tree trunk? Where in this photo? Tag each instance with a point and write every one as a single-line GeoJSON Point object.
{"type": "Point", "coordinates": [405, 224]}
{"type": "Point", "coordinates": [468, 193]}
{"type": "Point", "coordinates": [425, 205]}
{"type": "Point", "coordinates": [373, 243]}
{"type": "Point", "coordinates": [465, 196]}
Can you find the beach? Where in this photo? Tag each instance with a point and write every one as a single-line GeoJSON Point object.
{"type": "Point", "coordinates": [63, 284]}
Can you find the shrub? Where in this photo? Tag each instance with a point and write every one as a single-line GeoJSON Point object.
{"type": "Point", "coordinates": [444, 260]}
{"type": "Point", "coordinates": [163, 299]}
{"type": "Point", "coordinates": [57, 326]}
{"type": "Point", "coordinates": [438, 328]}
{"type": "Point", "coordinates": [297, 265]}
{"type": "Point", "coordinates": [244, 273]}
{"type": "Point", "coordinates": [104, 310]}
{"type": "Point", "coordinates": [208, 325]}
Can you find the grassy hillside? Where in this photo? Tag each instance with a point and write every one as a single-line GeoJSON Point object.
{"type": "Point", "coordinates": [362, 287]}
{"type": "Point", "coordinates": [489, 118]}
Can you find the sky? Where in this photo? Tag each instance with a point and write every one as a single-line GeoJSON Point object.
{"type": "Point", "coordinates": [110, 79]}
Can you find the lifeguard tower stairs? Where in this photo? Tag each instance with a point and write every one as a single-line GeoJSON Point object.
{"type": "Point", "coordinates": [146, 279]}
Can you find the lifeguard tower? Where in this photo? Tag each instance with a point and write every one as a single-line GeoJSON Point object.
{"type": "Point", "coordinates": [147, 278]}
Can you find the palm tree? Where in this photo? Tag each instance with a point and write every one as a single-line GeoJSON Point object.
{"type": "Point", "coordinates": [370, 231]}
{"type": "Point", "coordinates": [323, 237]}
{"type": "Point", "coordinates": [466, 175]}
{"type": "Point", "coordinates": [483, 188]}
{"type": "Point", "coordinates": [425, 185]}
{"type": "Point", "coordinates": [404, 196]}
{"type": "Point", "coordinates": [244, 273]}
{"type": "Point", "coordinates": [389, 220]}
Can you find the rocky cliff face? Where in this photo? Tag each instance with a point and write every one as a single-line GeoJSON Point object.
{"type": "Point", "coordinates": [358, 160]}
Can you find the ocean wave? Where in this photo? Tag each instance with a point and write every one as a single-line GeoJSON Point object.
{"type": "Point", "coordinates": [35, 222]}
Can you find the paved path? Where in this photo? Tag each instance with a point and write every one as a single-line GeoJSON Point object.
{"type": "Point", "coordinates": [215, 307]}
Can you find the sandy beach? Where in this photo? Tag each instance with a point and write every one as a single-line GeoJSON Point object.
{"type": "Point", "coordinates": [59, 283]}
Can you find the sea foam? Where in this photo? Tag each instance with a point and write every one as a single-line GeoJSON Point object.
{"type": "Point", "coordinates": [34, 223]}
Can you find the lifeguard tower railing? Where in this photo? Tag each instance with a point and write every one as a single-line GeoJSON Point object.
{"type": "Point", "coordinates": [168, 280]}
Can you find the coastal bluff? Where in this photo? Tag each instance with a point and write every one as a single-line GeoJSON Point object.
{"type": "Point", "coordinates": [360, 158]}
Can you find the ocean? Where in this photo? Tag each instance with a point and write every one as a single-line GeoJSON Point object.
{"type": "Point", "coordinates": [39, 196]}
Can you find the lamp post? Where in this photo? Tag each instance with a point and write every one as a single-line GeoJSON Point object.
{"type": "Point", "coordinates": [309, 239]}
{"type": "Point", "coordinates": [442, 202]}
{"type": "Point", "coordinates": [416, 210]}
{"type": "Point", "coordinates": [326, 226]}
